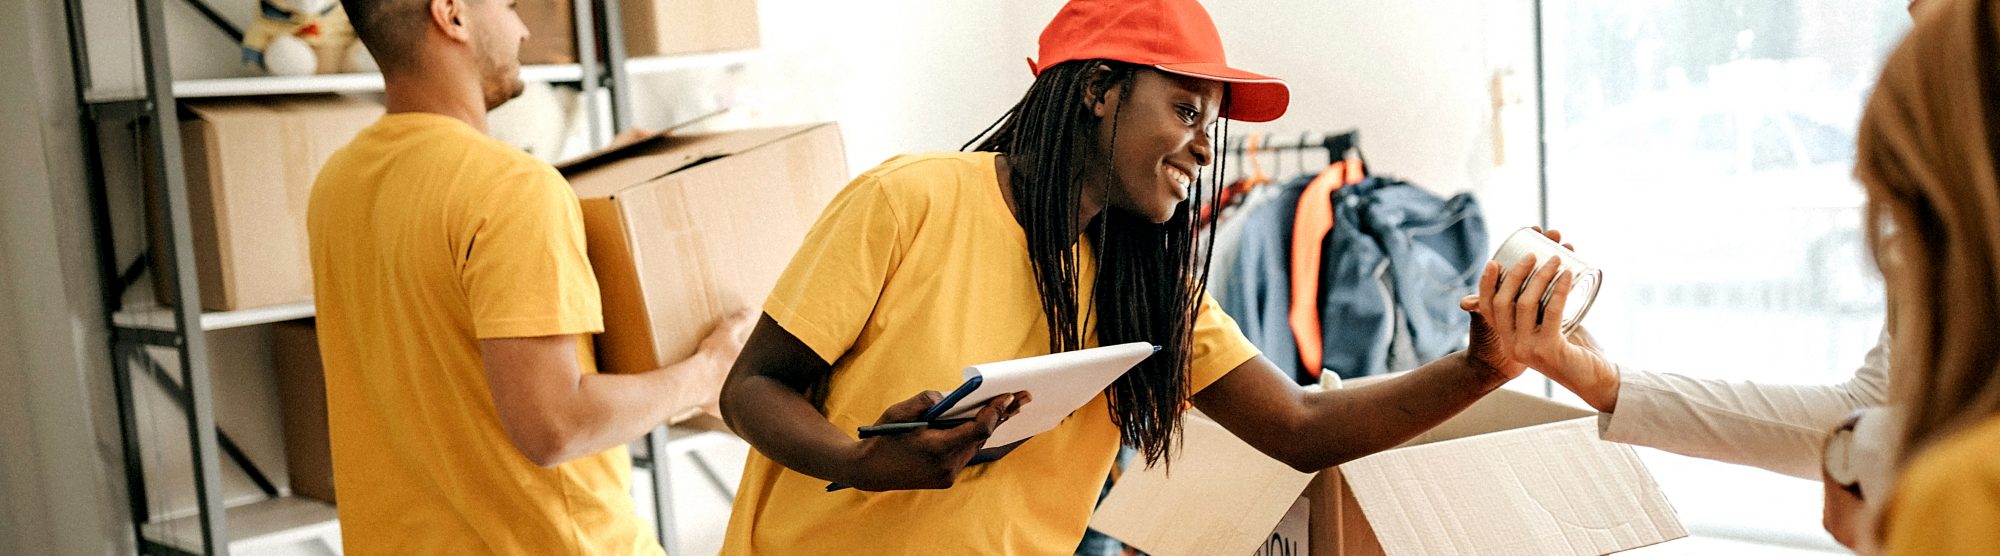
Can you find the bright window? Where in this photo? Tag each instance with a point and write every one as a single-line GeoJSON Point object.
{"type": "Point", "coordinates": [1701, 153]}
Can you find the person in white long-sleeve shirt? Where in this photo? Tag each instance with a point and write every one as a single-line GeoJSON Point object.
{"type": "Point", "coordinates": [1778, 427]}
{"type": "Point", "coordinates": [1784, 428]}
{"type": "Point", "coordinates": [1838, 434]}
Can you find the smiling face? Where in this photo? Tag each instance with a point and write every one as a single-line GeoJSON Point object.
{"type": "Point", "coordinates": [1156, 135]}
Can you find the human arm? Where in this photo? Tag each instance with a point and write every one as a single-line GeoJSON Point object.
{"type": "Point", "coordinates": [554, 412]}
{"type": "Point", "coordinates": [766, 401]}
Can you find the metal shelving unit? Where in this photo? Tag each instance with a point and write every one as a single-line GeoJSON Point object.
{"type": "Point", "coordinates": [140, 332]}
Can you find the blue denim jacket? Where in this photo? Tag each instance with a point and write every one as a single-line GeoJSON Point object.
{"type": "Point", "coordinates": [1392, 271]}
{"type": "Point", "coordinates": [1397, 262]}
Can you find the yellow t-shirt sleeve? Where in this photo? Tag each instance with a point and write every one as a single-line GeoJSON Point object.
{"type": "Point", "coordinates": [1948, 500]}
{"type": "Point", "coordinates": [524, 266]}
{"type": "Point", "coordinates": [827, 293]}
{"type": "Point", "coordinates": [1219, 346]}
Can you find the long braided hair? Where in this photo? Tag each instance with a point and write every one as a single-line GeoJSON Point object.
{"type": "Point", "coordinates": [1150, 277]}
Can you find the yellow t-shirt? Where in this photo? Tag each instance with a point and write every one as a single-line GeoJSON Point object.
{"type": "Point", "coordinates": [428, 236]}
{"type": "Point", "coordinates": [1948, 501]}
{"type": "Point", "coordinates": [916, 270]}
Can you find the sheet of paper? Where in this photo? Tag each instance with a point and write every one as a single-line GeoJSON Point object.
{"type": "Point", "coordinates": [1060, 383]}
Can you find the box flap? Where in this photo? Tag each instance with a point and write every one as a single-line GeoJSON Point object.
{"type": "Point", "coordinates": [1220, 496]}
{"type": "Point", "coordinates": [1546, 489]}
{"type": "Point", "coordinates": [1500, 410]}
{"type": "Point", "coordinates": [605, 173]}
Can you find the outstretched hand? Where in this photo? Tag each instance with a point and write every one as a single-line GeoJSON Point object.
{"type": "Point", "coordinates": [1514, 328]}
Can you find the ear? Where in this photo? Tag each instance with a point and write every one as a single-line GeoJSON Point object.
{"type": "Point", "coordinates": [1098, 91]}
{"type": "Point", "coordinates": [448, 17]}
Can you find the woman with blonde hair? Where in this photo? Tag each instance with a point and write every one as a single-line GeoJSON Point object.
{"type": "Point", "coordinates": [1928, 160]}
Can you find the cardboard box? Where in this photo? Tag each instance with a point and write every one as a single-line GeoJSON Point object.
{"type": "Point", "coordinates": [684, 230]}
{"type": "Point", "coordinates": [551, 31]}
{"type": "Point", "coordinates": [302, 397]}
{"type": "Point", "coordinates": [1513, 474]}
{"type": "Point", "coordinates": [251, 163]}
{"type": "Point", "coordinates": [665, 27]}
{"type": "Point", "coordinates": [652, 28]}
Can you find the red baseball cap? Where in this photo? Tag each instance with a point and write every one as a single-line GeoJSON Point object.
{"type": "Point", "coordinates": [1174, 36]}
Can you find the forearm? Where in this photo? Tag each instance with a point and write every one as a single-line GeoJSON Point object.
{"type": "Point", "coordinates": [606, 410]}
{"type": "Point", "coordinates": [1778, 427]}
{"type": "Point", "coordinates": [783, 425]}
{"type": "Point", "coordinates": [1332, 427]}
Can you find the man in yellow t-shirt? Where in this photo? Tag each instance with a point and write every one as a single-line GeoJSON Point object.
{"type": "Point", "coordinates": [455, 306]}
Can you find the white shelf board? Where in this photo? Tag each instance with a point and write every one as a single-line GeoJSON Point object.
{"type": "Point", "coordinates": [661, 64]}
{"type": "Point", "coordinates": [281, 520]}
{"type": "Point", "coordinates": [372, 82]}
{"type": "Point", "coordinates": [335, 83]}
{"type": "Point", "coordinates": [158, 317]}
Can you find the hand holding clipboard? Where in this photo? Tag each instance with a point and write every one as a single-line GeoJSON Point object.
{"type": "Point", "coordinates": [911, 449]}
{"type": "Point", "coordinates": [1061, 382]}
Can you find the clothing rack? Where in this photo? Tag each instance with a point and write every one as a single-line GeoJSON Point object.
{"type": "Point", "coordinates": [1346, 143]}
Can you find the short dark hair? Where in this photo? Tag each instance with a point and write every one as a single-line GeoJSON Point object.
{"type": "Point", "coordinates": [390, 28]}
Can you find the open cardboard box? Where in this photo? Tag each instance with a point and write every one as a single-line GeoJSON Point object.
{"type": "Point", "coordinates": [684, 230]}
{"type": "Point", "coordinates": [1513, 474]}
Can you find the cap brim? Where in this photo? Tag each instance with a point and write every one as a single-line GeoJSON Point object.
{"type": "Point", "coordinates": [1252, 97]}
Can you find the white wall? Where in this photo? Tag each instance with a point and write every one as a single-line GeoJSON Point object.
{"type": "Point", "coordinates": [907, 75]}
{"type": "Point", "coordinates": [1412, 76]}
{"type": "Point", "coordinates": [898, 75]}
{"type": "Point", "coordinates": [61, 496]}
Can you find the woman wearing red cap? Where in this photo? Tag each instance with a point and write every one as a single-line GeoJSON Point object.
{"type": "Point", "coordinates": [1066, 228]}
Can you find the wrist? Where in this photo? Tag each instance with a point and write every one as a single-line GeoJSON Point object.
{"type": "Point", "coordinates": [709, 357]}
{"type": "Point", "coordinates": [1609, 381]}
{"type": "Point", "coordinates": [1486, 375]}
{"type": "Point", "coordinates": [850, 465]}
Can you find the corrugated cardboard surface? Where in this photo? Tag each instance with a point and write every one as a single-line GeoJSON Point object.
{"type": "Point", "coordinates": [1513, 474]}
{"type": "Point", "coordinates": [1546, 489]}
{"type": "Point", "coordinates": [251, 163]}
{"type": "Point", "coordinates": [1291, 537]}
{"type": "Point", "coordinates": [662, 27]}
{"type": "Point", "coordinates": [302, 395]}
{"type": "Point", "coordinates": [1501, 410]}
{"type": "Point", "coordinates": [551, 32]}
{"type": "Point", "coordinates": [683, 231]}
{"type": "Point", "coordinates": [1219, 496]}
{"type": "Point", "coordinates": [652, 28]}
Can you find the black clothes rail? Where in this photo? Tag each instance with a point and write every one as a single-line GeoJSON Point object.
{"type": "Point", "coordinates": [1337, 146]}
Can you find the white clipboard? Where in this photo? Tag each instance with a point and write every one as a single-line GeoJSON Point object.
{"type": "Point", "coordinates": [1060, 383]}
